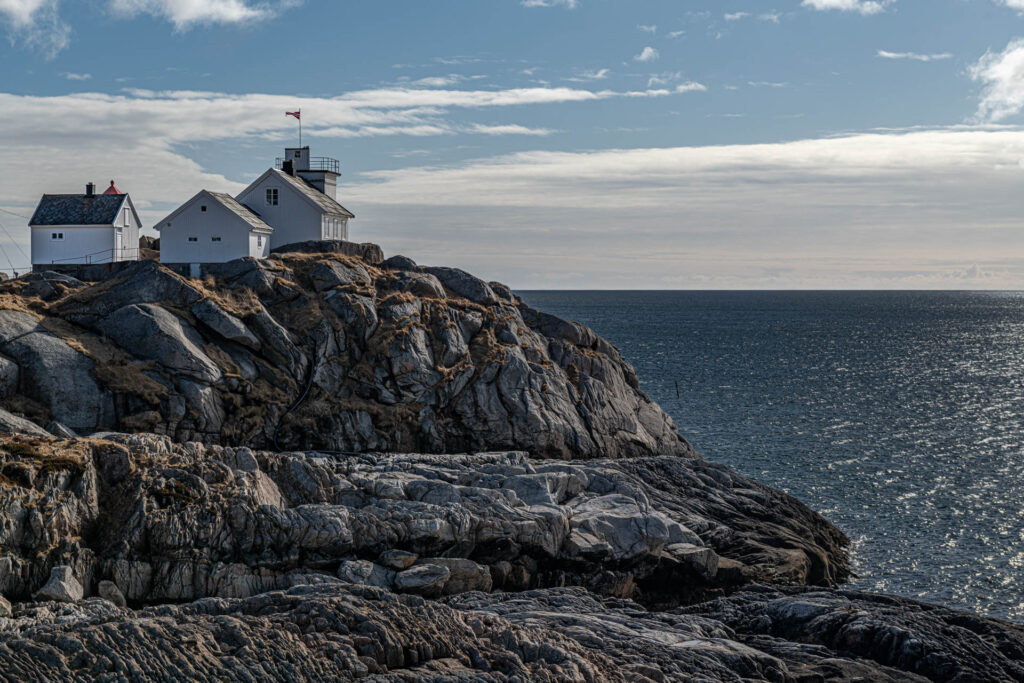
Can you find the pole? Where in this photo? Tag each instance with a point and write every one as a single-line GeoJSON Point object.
{"type": "Point", "coordinates": [300, 129]}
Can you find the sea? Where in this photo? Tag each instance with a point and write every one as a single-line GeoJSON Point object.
{"type": "Point", "coordinates": [897, 415]}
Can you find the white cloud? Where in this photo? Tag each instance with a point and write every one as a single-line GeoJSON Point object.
{"type": "Point", "coordinates": [76, 77]}
{"type": "Point", "coordinates": [676, 34]}
{"type": "Point", "coordinates": [584, 76]}
{"type": "Point", "coordinates": [860, 6]}
{"type": "Point", "coordinates": [568, 4]}
{"type": "Point", "coordinates": [36, 24]}
{"type": "Point", "coordinates": [648, 54]}
{"type": "Point", "coordinates": [736, 16]}
{"type": "Point", "coordinates": [915, 56]}
{"type": "Point", "coordinates": [1002, 75]}
{"type": "Point", "coordinates": [820, 213]}
{"type": "Point", "coordinates": [186, 13]}
{"type": "Point", "coordinates": [648, 29]}
{"type": "Point", "coordinates": [1013, 4]}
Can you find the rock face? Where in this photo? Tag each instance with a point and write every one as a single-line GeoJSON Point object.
{"type": "Point", "coordinates": [334, 631]}
{"type": "Point", "coordinates": [322, 346]}
{"type": "Point", "coordinates": [168, 522]}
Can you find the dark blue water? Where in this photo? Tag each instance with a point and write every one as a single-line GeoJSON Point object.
{"type": "Point", "coordinates": [898, 415]}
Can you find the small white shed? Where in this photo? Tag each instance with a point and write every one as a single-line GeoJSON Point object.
{"type": "Point", "coordinates": [85, 228]}
{"type": "Point", "coordinates": [213, 228]}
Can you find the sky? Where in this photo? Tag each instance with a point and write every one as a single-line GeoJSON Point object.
{"type": "Point", "coordinates": [569, 144]}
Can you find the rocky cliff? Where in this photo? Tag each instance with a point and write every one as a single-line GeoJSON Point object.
{"type": "Point", "coordinates": [279, 498]}
{"type": "Point", "coordinates": [323, 346]}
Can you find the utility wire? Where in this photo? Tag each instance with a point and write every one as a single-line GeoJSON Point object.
{"type": "Point", "coordinates": [15, 214]}
{"type": "Point", "coordinates": [18, 246]}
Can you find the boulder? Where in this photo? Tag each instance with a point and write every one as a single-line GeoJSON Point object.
{"type": "Point", "coordinates": [153, 332]}
{"type": "Point", "coordinates": [61, 430]}
{"type": "Point", "coordinates": [109, 591]}
{"type": "Point", "coordinates": [463, 575]}
{"type": "Point", "coordinates": [366, 573]}
{"type": "Point", "coordinates": [398, 262]}
{"type": "Point", "coordinates": [397, 559]}
{"type": "Point", "coordinates": [423, 579]}
{"type": "Point", "coordinates": [5, 608]}
{"type": "Point", "coordinates": [62, 587]}
{"type": "Point", "coordinates": [330, 274]}
{"type": "Point", "coordinates": [12, 424]}
{"type": "Point", "coordinates": [225, 324]}
{"type": "Point", "coordinates": [55, 374]}
{"type": "Point", "coordinates": [464, 284]}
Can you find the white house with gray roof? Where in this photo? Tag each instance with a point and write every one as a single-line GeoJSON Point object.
{"type": "Point", "coordinates": [213, 227]}
{"type": "Point", "coordinates": [299, 199]}
{"type": "Point", "coordinates": [70, 229]}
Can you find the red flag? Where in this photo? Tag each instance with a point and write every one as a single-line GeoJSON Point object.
{"type": "Point", "coordinates": [296, 114]}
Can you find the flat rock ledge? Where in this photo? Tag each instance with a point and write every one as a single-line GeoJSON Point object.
{"type": "Point", "coordinates": [167, 522]}
{"type": "Point", "coordinates": [338, 631]}
{"type": "Point", "coordinates": [322, 345]}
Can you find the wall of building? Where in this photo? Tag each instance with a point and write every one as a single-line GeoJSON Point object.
{"type": "Point", "coordinates": [131, 229]}
{"type": "Point", "coordinates": [294, 219]}
{"type": "Point", "coordinates": [259, 245]}
{"type": "Point", "coordinates": [93, 244]}
{"type": "Point", "coordinates": [216, 221]}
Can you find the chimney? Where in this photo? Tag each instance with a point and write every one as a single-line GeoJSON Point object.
{"type": "Point", "coordinates": [90, 190]}
{"type": "Point", "coordinates": [288, 167]}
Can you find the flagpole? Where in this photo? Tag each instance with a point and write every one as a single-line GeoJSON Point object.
{"type": "Point", "coordinates": [300, 129]}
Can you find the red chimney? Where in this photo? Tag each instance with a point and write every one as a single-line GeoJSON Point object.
{"type": "Point", "coordinates": [113, 189]}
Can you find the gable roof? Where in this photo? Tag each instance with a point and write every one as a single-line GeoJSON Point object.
{"type": "Point", "coordinates": [228, 202]}
{"type": "Point", "coordinates": [324, 203]}
{"type": "Point", "coordinates": [80, 209]}
{"type": "Point", "coordinates": [243, 212]}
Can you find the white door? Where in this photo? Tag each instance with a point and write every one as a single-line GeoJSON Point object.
{"type": "Point", "coordinates": [118, 245]}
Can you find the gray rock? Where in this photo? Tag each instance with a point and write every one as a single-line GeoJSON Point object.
{"type": "Point", "coordinates": [366, 573]}
{"type": "Point", "coordinates": [12, 424]}
{"type": "Point", "coordinates": [424, 579]}
{"type": "Point", "coordinates": [5, 608]}
{"type": "Point", "coordinates": [223, 323]}
{"type": "Point", "coordinates": [63, 431]}
{"type": "Point", "coordinates": [398, 262]}
{"type": "Point", "coordinates": [419, 284]}
{"type": "Point", "coordinates": [62, 586]}
{"type": "Point", "coordinates": [109, 591]}
{"type": "Point", "coordinates": [154, 333]}
{"type": "Point", "coordinates": [397, 559]}
{"type": "Point", "coordinates": [330, 274]}
{"type": "Point", "coordinates": [9, 376]}
{"type": "Point", "coordinates": [55, 374]}
{"type": "Point", "coordinates": [464, 575]}
{"type": "Point", "coordinates": [464, 284]}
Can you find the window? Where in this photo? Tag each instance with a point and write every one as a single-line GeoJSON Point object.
{"type": "Point", "coordinates": [193, 239]}
{"type": "Point", "coordinates": [216, 239]}
{"type": "Point", "coordinates": [126, 223]}
{"type": "Point", "coordinates": [203, 209]}
{"type": "Point", "coordinates": [57, 236]}
{"type": "Point", "coordinates": [259, 240]}
{"type": "Point", "coordinates": [272, 196]}
{"type": "Point", "coordinates": [298, 154]}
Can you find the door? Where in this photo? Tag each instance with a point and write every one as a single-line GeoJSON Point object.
{"type": "Point", "coordinates": [118, 245]}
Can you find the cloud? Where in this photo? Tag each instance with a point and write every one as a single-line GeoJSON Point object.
{"type": "Point", "coordinates": [1013, 4]}
{"type": "Point", "coordinates": [1002, 77]}
{"type": "Point", "coordinates": [865, 7]}
{"type": "Point", "coordinates": [736, 16]}
{"type": "Point", "coordinates": [568, 4]}
{"type": "Point", "coordinates": [584, 76]}
{"type": "Point", "coordinates": [37, 25]}
{"type": "Point", "coordinates": [835, 212]}
{"type": "Point", "coordinates": [885, 54]}
{"type": "Point", "coordinates": [187, 13]}
{"type": "Point", "coordinates": [76, 77]}
{"type": "Point", "coordinates": [649, 54]}
{"type": "Point", "coordinates": [648, 29]}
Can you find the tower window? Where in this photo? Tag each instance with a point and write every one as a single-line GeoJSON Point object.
{"type": "Point", "coordinates": [57, 236]}
{"type": "Point", "coordinates": [203, 209]}
{"type": "Point", "coordinates": [272, 196]}
{"type": "Point", "coordinates": [193, 239]}
{"type": "Point", "coordinates": [216, 239]}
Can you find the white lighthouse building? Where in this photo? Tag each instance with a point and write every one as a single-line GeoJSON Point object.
{"type": "Point", "coordinates": [294, 202]}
